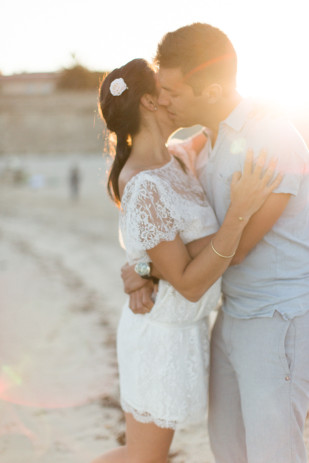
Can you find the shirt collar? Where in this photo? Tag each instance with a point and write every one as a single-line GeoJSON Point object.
{"type": "Point", "coordinates": [238, 117]}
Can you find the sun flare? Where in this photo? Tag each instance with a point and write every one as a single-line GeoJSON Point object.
{"type": "Point", "coordinates": [273, 64]}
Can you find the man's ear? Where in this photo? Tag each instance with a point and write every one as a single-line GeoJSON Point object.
{"type": "Point", "coordinates": [213, 93]}
{"type": "Point", "coordinates": [149, 102]}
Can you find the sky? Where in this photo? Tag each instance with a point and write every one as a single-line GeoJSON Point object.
{"type": "Point", "coordinates": [271, 37]}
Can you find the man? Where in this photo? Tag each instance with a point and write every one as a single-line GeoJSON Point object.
{"type": "Point", "coordinates": [259, 378]}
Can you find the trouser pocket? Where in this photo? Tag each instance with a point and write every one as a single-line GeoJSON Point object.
{"type": "Point", "coordinates": [287, 344]}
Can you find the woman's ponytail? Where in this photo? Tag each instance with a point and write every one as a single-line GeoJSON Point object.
{"type": "Point", "coordinates": [123, 150]}
{"type": "Point", "coordinates": [119, 105]}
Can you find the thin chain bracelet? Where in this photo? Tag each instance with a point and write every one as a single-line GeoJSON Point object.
{"type": "Point", "coordinates": [221, 255]}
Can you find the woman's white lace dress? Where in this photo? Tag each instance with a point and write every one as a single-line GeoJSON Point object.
{"type": "Point", "coordinates": [163, 355]}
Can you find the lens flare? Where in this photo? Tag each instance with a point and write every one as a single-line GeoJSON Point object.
{"type": "Point", "coordinates": [11, 375]}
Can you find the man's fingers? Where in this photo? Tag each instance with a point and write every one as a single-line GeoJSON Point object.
{"type": "Point", "coordinates": [135, 304]}
{"type": "Point", "coordinates": [147, 301]}
{"type": "Point", "coordinates": [140, 301]}
{"type": "Point", "coordinates": [124, 268]}
{"type": "Point", "coordinates": [131, 280]}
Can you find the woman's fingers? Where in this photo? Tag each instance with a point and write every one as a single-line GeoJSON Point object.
{"type": "Point", "coordinates": [260, 164]}
{"type": "Point", "coordinates": [269, 172]}
{"type": "Point", "coordinates": [262, 171]}
{"type": "Point", "coordinates": [248, 165]}
{"type": "Point", "coordinates": [236, 176]}
{"type": "Point", "coordinates": [275, 183]}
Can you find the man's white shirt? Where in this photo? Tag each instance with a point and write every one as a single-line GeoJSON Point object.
{"type": "Point", "coordinates": [275, 274]}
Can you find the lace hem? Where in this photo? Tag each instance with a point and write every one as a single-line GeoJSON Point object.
{"type": "Point", "coordinates": [145, 417]}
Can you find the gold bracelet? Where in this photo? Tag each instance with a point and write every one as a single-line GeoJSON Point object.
{"type": "Point", "coordinates": [221, 255]}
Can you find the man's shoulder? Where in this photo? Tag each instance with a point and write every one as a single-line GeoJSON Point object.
{"type": "Point", "coordinates": [264, 113]}
{"type": "Point", "coordinates": [255, 117]}
{"type": "Point", "coordinates": [271, 124]}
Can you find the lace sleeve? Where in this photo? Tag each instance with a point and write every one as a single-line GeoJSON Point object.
{"type": "Point", "coordinates": [149, 214]}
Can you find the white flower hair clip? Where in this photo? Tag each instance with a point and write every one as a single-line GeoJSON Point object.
{"type": "Point", "coordinates": [117, 87]}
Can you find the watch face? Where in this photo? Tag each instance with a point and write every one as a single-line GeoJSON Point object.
{"type": "Point", "coordinates": [143, 269]}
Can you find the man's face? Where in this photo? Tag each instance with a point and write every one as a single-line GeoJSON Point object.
{"type": "Point", "coordinates": [182, 105]}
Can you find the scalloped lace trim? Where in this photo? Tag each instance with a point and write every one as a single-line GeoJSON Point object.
{"type": "Point", "coordinates": [145, 417]}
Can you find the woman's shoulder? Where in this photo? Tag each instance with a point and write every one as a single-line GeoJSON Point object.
{"type": "Point", "coordinates": [141, 183]}
{"type": "Point", "coordinates": [135, 177]}
{"type": "Point", "coordinates": [130, 176]}
{"type": "Point", "coordinates": [124, 178]}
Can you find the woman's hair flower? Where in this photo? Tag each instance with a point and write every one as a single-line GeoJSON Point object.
{"type": "Point", "coordinates": [117, 87]}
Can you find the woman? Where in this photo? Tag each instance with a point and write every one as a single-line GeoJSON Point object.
{"type": "Point", "coordinates": [163, 355]}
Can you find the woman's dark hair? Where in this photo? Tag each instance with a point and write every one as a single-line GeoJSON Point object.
{"type": "Point", "coordinates": [122, 113]}
{"type": "Point", "coordinates": [202, 52]}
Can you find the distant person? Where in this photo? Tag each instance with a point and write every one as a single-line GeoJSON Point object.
{"type": "Point", "coordinates": [259, 373]}
{"type": "Point", "coordinates": [74, 182]}
{"type": "Point", "coordinates": [163, 355]}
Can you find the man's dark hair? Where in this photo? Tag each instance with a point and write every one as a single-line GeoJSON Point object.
{"type": "Point", "coordinates": [202, 52]}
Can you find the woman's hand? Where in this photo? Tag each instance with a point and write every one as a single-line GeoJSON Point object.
{"type": "Point", "coordinates": [250, 189]}
{"type": "Point", "coordinates": [131, 280]}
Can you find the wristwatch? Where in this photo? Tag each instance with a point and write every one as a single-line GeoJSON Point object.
{"type": "Point", "coordinates": [143, 269]}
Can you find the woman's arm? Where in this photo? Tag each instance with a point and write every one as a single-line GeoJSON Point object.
{"type": "Point", "coordinates": [212, 254]}
{"type": "Point", "coordinates": [196, 246]}
{"type": "Point", "coordinates": [192, 277]}
{"type": "Point", "coordinates": [133, 282]}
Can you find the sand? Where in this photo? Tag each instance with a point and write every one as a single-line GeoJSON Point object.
{"type": "Point", "coordinates": [61, 297]}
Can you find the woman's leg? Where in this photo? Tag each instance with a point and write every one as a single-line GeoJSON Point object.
{"type": "Point", "coordinates": [113, 456]}
{"type": "Point", "coordinates": [145, 443]}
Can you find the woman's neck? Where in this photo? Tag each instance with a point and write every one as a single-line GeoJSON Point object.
{"type": "Point", "coordinates": [148, 147]}
{"type": "Point", "coordinates": [148, 152]}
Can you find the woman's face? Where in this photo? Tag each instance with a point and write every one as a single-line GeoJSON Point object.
{"type": "Point", "coordinates": [167, 125]}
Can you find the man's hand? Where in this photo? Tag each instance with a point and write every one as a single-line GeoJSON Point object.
{"type": "Point", "coordinates": [141, 300]}
{"type": "Point", "coordinates": [131, 280]}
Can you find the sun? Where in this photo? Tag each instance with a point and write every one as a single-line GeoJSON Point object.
{"type": "Point", "coordinates": [274, 64]}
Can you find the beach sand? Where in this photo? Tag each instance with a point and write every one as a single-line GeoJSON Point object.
{"type": "Point", "coordinates": [61, 298]}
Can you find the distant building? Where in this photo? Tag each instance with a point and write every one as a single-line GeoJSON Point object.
{"type": "Point", "coordinates": [40, 83]}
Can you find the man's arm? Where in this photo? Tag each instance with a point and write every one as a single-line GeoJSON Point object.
{"type": "Point", "coordinates": [260, 223]}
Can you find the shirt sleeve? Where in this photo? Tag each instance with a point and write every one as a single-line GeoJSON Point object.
{"type": "Point", "coordinates": [184, 151]}
{"type": "Point", "coordinates": [293, 157]}
{"type": "Point", "coordinates": [188, 150]}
